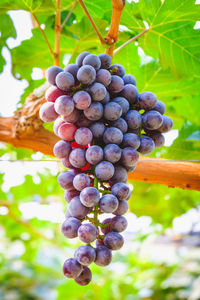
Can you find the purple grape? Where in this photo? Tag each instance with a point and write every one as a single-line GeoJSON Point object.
{"type": "Point", "coordinates": [70, 227]}
{"type": "Point", "coordinates": [118, 224]}
{"type": "Point", "coordinates": [120, 190]}
{"type": "Point", "coordinates": [77, 158]}
{"type": "Point", "coordinates": [99, 242]}
{"type": "Point", "coordinates": [131, 140]}
{"type": "Point", "coordinates": [94, 154]}
{"type": "Point", "coordinates": [120, 124]}
{"type": "Point", "coordinates": [146, 145]}
{"type": "Point", "coordinates": [166, 125]}
{"type": "Point", "coordinates": [129, 79]}
{"type": "Point", "coordinates": [77, 209]}
{"type": "Point", "coordinates": [51, 74]}
{"type": "Point", "coordinates": [87, 233]}
{"type": "Point", "coordinates": [104, 170]}
{"type": "Point", "coordinates": [66, 163]}
{"type": "Point", "coordinates": [81, 57]}
{"type": "Point", "coordinates": [112, 111]}
{"type": "Point", "coordinates": [97, 129]}
{"type": "Point", "coordinates": [105, 60]}
{"type": "Point", "coordinates": [65, 180]}
{"type": "Point", "coordinates": [85, 255]}
{"type": "Point", "coordinates": [112, 135]}
{"type": "Point", "coordinates": [86, 75]}
{"type": "Point", "coordinates": [81, 181]}
{"type": "Point", "coordinates": [93, 61]}
{"type": "Point", "coordinates": [83, 136]}
{"type": "Point", "coordinates": [113, 240]}
{"type": "Point", "coordinates": [123, 103]}
{"type": "Point", "coordinates": [72, 268]}
{"type": "Point", "coordinates": [130, 169]}
{"type": "Point", "coordinates": [82, 100]}
{"type": "Point", "coordinates": [103, 256]}
{"type": "Point", "coordinates": [67, 215]}
{"type": "Point", "coordinates": [152, 120]}
{"type": "Point", "coordinates": [160, 107]}
{"type": "Point", "coordinates": [116, 84]}
{"type": "Point", "coordinates": [65, 81]}
{"type": "Point", "coordinates": [64, 105]}
{"type": "Point", "coordinates": [83, 121]}
{"type": "Point", "coordinates": [130, 92]}
{"type": "Point", "coordinates": [89, 196]}
{"type": "Point", "coordinates": [106, 99]}
{"type": "Point", "coordinates": [94, 112]}
{"type": "Point", "coordinates": [129, 157]}
{"type": "Point", "coordinates": [72, 69]}
{"type": "Point", "coordinates": [158, 139]}
{"type": "Point", "coordinates": [47, 112]}
{"type": "Point", "coordinates": [120, 175]}
{"type": "Point", "coordinates": [122, 208]}
{"type": "Point", "coordinates": [117, 70]}
{"type": "Point", "coordinates": [97, 91]}
{"type": "Point", "coordinates": [73, 117]}
{"type": "Point", "coordinates": [85, 277]}
{"type": "Point", "coordinates": [106, 225]}
{"type": "Point", "coordinates": [134, 119]}
{"type": "Point", "coordinates": [112, 153]}
{"type": "Point", "coordinates": [147, 100]}
{"type": "Point", "coordinates": [70, 194]}
{"type": "Point", "coordinates": [103, 77]}
{"type": "Point", "coordinates": [108, 203]}
{"type": "Point", "coordinates": [61, 149]}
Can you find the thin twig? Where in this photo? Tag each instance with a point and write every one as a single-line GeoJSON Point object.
{"type": "Point", "coordinates": [69, 14]}
{"type": "Point", "coordinates": [43, 33]}
{"type": "Point", "coordinates": [130, 41]}
{"type": "Point", "coordinates": [57, 33]}
{"type": "Point", "coordinates": [92, 22]}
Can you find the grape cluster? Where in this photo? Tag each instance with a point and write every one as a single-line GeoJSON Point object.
{"type": "Point", "coordinates": [103, 122]}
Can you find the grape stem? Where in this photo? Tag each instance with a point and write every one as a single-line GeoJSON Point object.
{"type": "Point", "coordinates": [69, 14]}
{"type": "Point", "coordinates": [57, 30]}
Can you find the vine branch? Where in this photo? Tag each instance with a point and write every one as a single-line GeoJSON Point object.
{"type": "Point", "coordinates": [69, 14]}
{"type": "Point", "coordinates": [57, 33]}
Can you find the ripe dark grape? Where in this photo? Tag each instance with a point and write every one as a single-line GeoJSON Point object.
{"type": "Point", "coordinates": [103, 256]}
{"type": "Point", "coordinates": [87, 233]}
{"type": "Point", "coordinates": [81, 57]}
{"type": "Point", "coordinates": [129, 157]}
{"type": "Point", "coordinates": [62, 149]}
{"type": "Point", "coordinates": [112, 135]}
{"type": "Point", "coordinates": [118, 224]}
{"type": "Point", "coordinates": [47, 112]}
{"type": "Point", "coordinates": [89, 196]}
{"type": "Point", "coordinates": [64, 105]}
{"type": "Point", "coordinates": [108, 203]}
{"type": "Point", "coordinates": [65, 81]}
{"type": "Point", "coordinates": [116, 84]}
{"type": "Point", "coordinates": [128, 78]}
{"type": "Point", "coordinates": [94, 154]}
{"type": "Point", "coordinates": [120, 124]}
{"type": "Point", "coordinates": [70, 194]}
{"type": "Point", "coordinates": [106, 99]}
{"type": "Point", "coordinates": [160, 107]}
{"type": "Point", "coordinates": [85, 276]}
{"type": "Point", "coordinates": [113, 240]}
{"type": "Point", "coordinates": [147, 100]}
{"type": "Point", "coordinates": [103, 77]}
{"type": "Point", "coordinates": [146, 145]}
{"type": "Point", "coordinates": [131, 140]}
{"type": "Point", "coordinates": [158, 139]}
{"type": "Point", "coordinates": [93, 61]}
{"type": "Point", "coordinates": [73, 117]}
{"type": "Point", "coordinates": [120, 174]}
{"type": "Point", "coordinates": [97, 91]}
{"type": "Point", "coordinates": [112, 153]}
{"type": "Point", "coordinates": [152, 120]}
{"type": "Point", "coordinates": [105, 60]}
{"type": "Point", "coordinates": [51, 74]}
{"type": "Point", "coordinates": [104, 170]}
{"type": "Point", "coordinates": [66, 131]}
{"type": "Point", "coordinates": [86, 75]}
{"type": "Point", "coordinates": [117, 70]}
{"type": "Point", "coordinates": [97, 129]}
{"type": "Point", "coordinates": [120, 190]}
{"type": "Point", "coordinates": [65, 180]}
{"type": "Point", "coordinates": [81, 181]}
{"type": "Point", "coordinates": [130, 92]}
{"type": "Point", "coordinates": [94, 112]}
{"type": "Point", "coordinates": [133, 119]}
{"type": "Point", "coordinates": [106, 225]}
{"type": "Point", "coordinates": [72, 268]}
{"type": "Point", "coordinates": [123, 103]}
{"type": "Point", "coordinates": [77, 209]}
{"type": "Point", "coordinates": [82, 100]}
{"type": "Point", "coordinates": [83, 136]}
{"type": "Point", "coordinates": [85, 255]}
{"type": "Point", "coordinates": [72, 68]}
{"type": "Point", "coordinates": [122, 208]}
{"type": "Point", "coordinates": [112, 111]}
{"type": "Point", "coordinates": [70, 227]}
{"type": "Point", "coordinates": [52, 93]}
{"type": "Point", "coordinates": [77, 158]}
{"type": "Point", "coordinates": [166, 125]}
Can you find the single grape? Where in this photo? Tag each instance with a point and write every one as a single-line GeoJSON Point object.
{"type": "Point", "coordinates": [105, 60]}
{"type": "Point", "coordinates": [112, 111]}
{"type": "Point", "coordinates": [120, 124]}
{"type": "Point", "coordinates": [52, 93]}
{"type": "Point", "coordinates": [51, 74]}
{"type": "Point", "coordinates": [89, 196]}
{"type": "Point", "coordinates": [129, 79]}
{"type": "Point", "coordinates": [81, 181]}
{"type": "Point", "coordinates": [73, 117]}
{"type": "Point", "coordinates": [106, 225]}
{"type": "Point", "coordinates": [112, 153]}
{"type": "Point", "coordinates": [122, 208]}
{"type": "Point", "coordinates": [166, 125]}
{"type": "Point", "coordinates": [103, 77]}
{"type": "Point", "coordinates": [70, 227]}
{"type": "Point", "coordinates": [97, 129]}
{"type": "Point", "coordinates": [130, 169]}
{"type": "Point", "coordinates": [152, 120]}
{"type": "Point", "coordinates": [94, 112]}
{"type": "Point", "coordinates": [85, 277]}
{"type": "Point", "coordinates": [72, 69]}
{"type": "Point", "coordinates": [129, 157]}
{"type": "Point", "coordinates": [123, 103]}
{"type": "Point", "coordinates": [70, 194]}
{"type": "Point", "coordinates": [113, 240]}
{"type": "Point", "coordinates": [112, 135]}
{"type": "Point", "coordinates": [103, 256]}
{"type": "Point", "coordinates": [108, 203]}
{"type": "Point", "coordinates": [86, 75]}
{"type": "Point", "coordinates": [117, 70]}
{"type": "Point", "coordinates": [64, 105]}
{"type": "Point", "coordinates": [134, 119]}
{"type": "Point", "coordinates": [72, 268]}
{"type": "Point", "coordinates": [130, 92]}
{"type": "Point", "coordinates": [116, 85]}
{"type": "Point", "coordinates": [94, 154]}
{"type": "Point", "coordinates": [87, 233]}
{"type": "Point", "coordinates": [81, 57]}
{"type": "Point", "coordinates": [99, 242]}
{"type": "Point", "coordinates": [77, 158]}
{"type": "Point", "coordinates": [118, 224]}
{"type": "Point", "coordinates": [158, 139]}
{"type": "Point", "coordinates": [93, 61]}
{"type": "Point", "coordinates": [120, 175]}
{"type": "Point", "coordinates": [56, 125]}
{"type": "Point", "coordinates": [66, 163]}
{"type": "Point", "coordinates": [47, 112]}
{"type": "Point", "coordinates": [104, 170]}
{"type": "Point", "coordinates": [160, 107]}
{"type": "Point", "coordinates": [106, 99]}
{"type": "Point", "coordinates": [65, 81]}
{"type": "Point", "coordinates": [85, 255]}
{"type": "Point", "coordinates": [65, 180]}
{"type": "Point", "coordinates": [147, 100]}
{"type": "Point", "coordinates": [67, 215]}
{"type": "Point", "coordinates": [77, 209]}
{"type": "Point", "coordinates": [120, 190]}
{"type": "Point", "coordinates": [97, 91]}
{"type": "Point", "coordinates": [83, 136]}
{"type": "Point", "coordinates": [62, 149]}
{"type": "Point", "coordinates": [146, 145]}
{"type": "Point", "coordinates": [66, 131]}
{"type": "Point", "coordinates": [82, 100]}
{"type": "Point", "coordinates": [131, 140]}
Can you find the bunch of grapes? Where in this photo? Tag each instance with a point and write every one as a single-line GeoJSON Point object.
{"type": "Point", "coordinates": [103, 122]}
